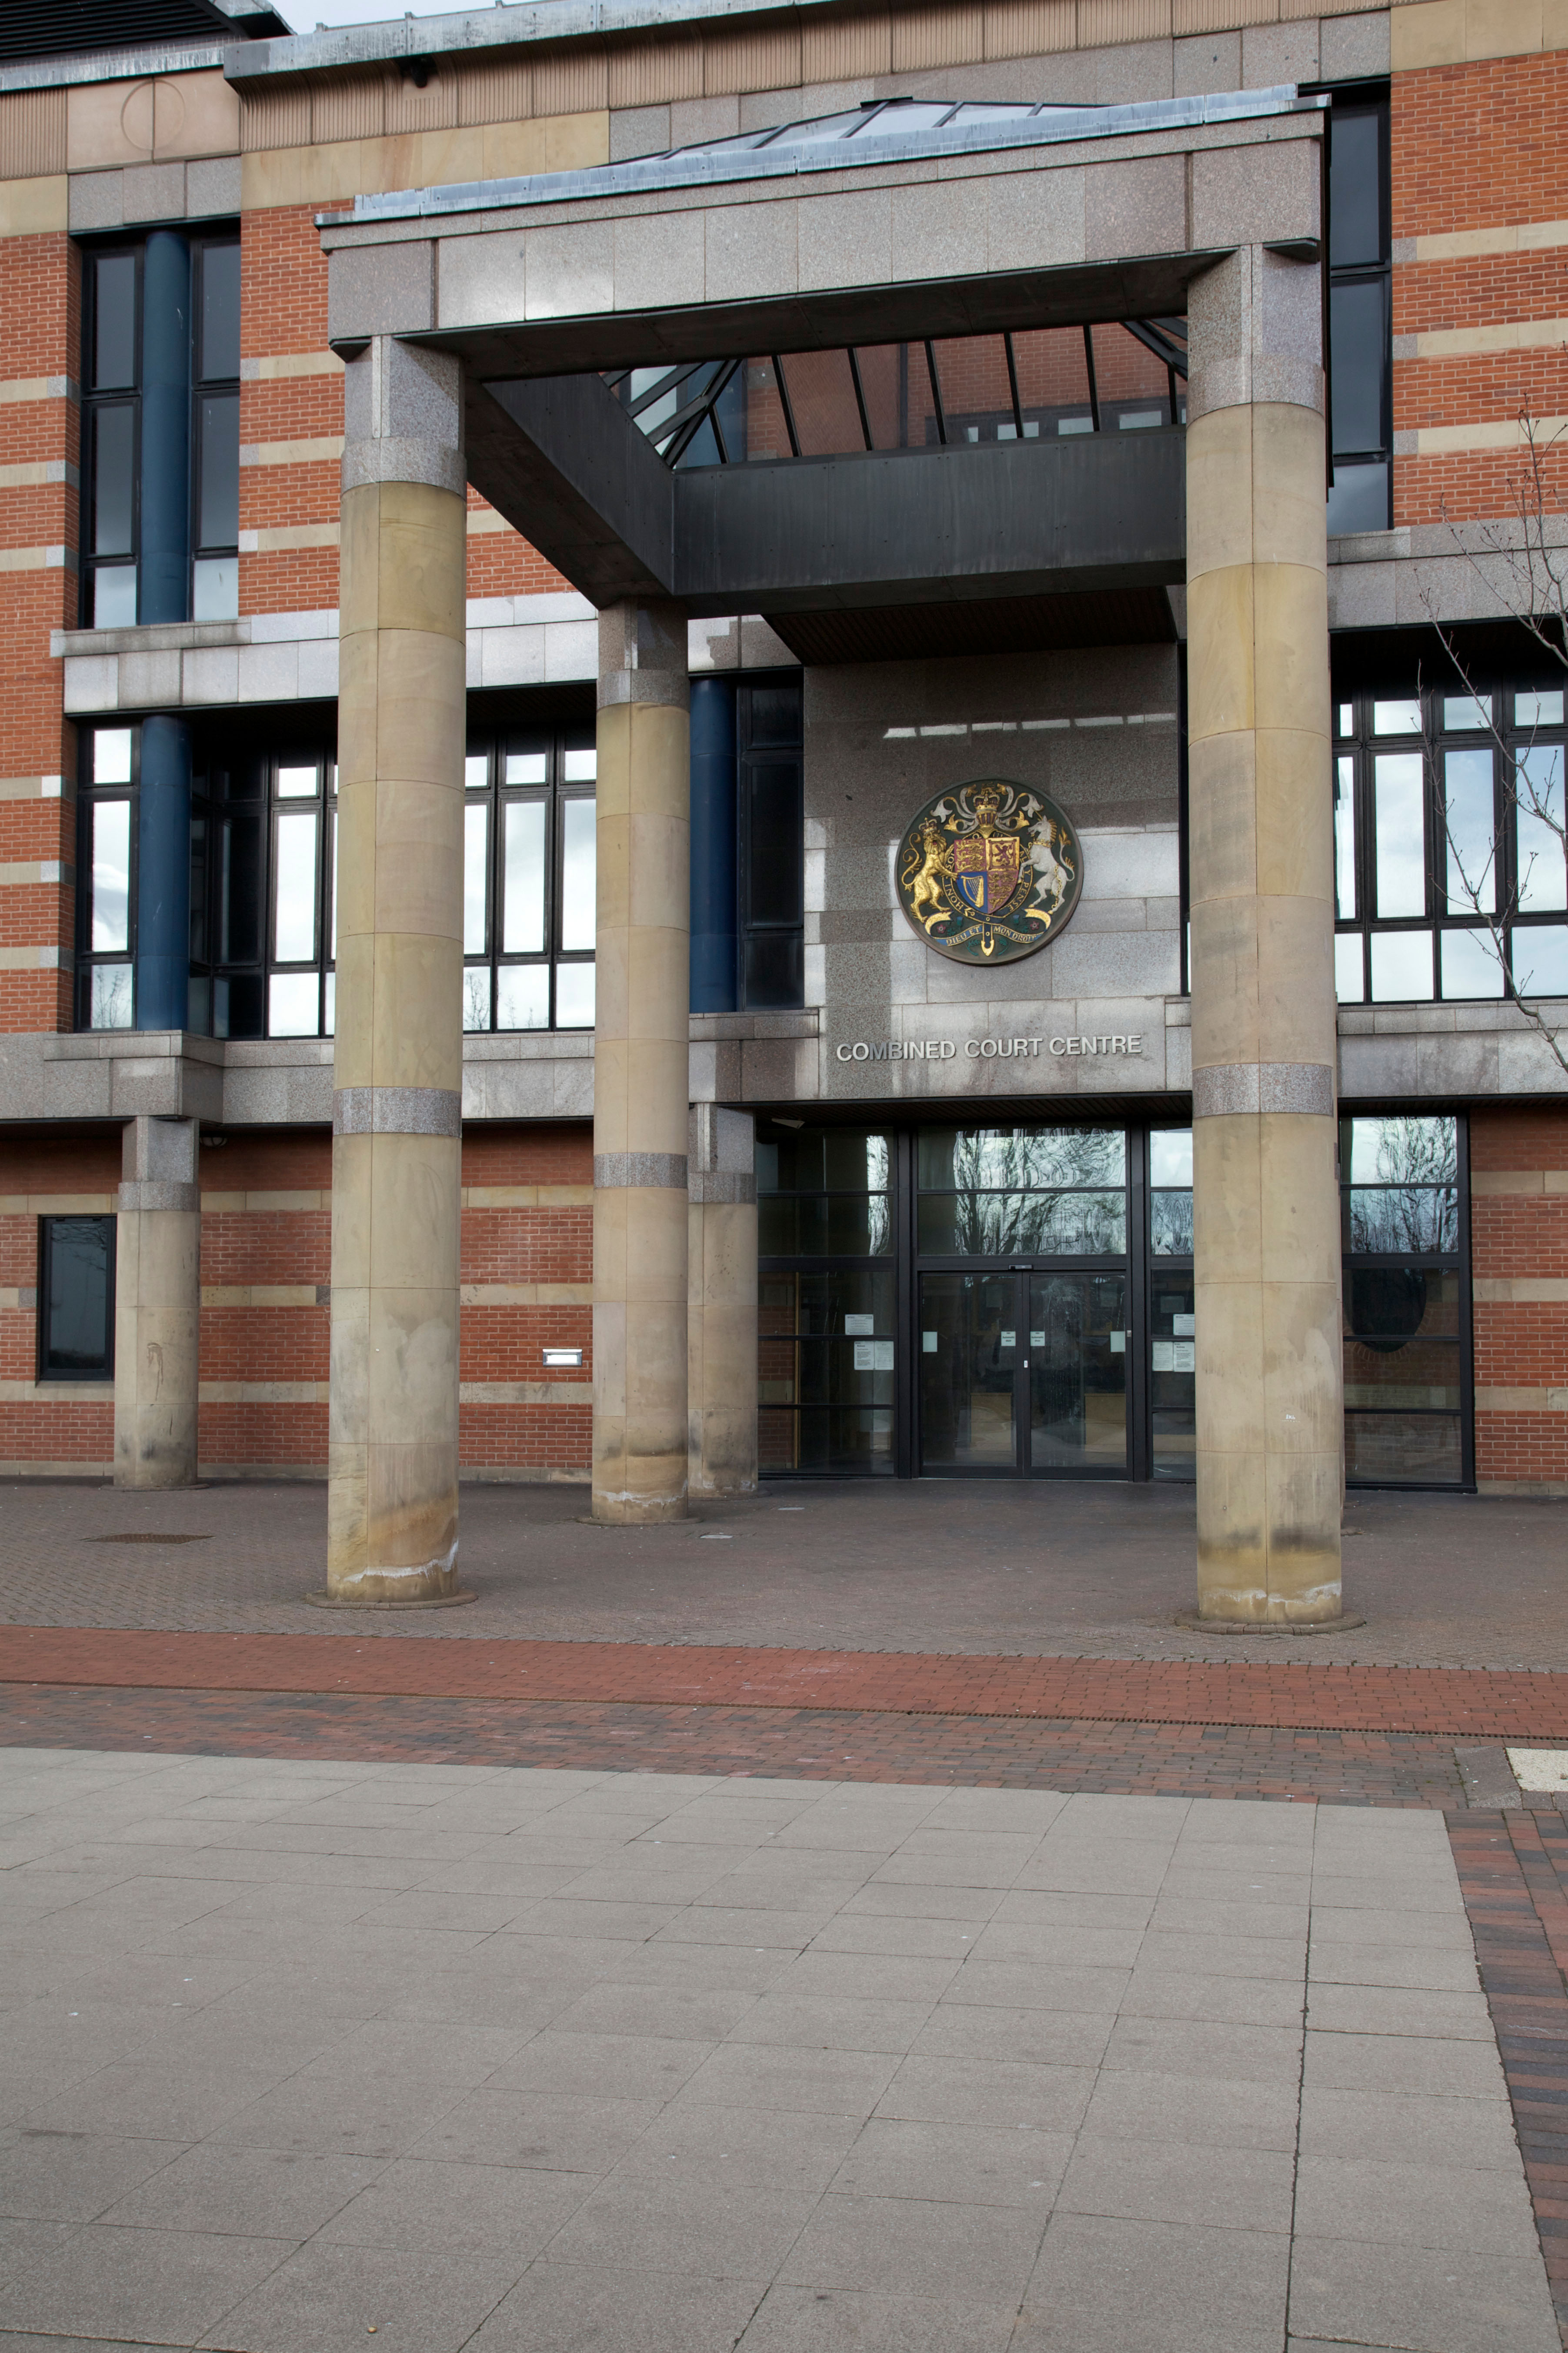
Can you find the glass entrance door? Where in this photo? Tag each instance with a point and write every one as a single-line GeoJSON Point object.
{"type": "Point", "coordinates": [1078, 1372]}
{"type": "Point", "coordinates": [1023, 1373]}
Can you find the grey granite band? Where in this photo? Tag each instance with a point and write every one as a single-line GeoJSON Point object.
{"type": "Point", "coordinates": [1254, 1087]}
{"type": "Point", "coordinates": [724, 1187]}
{"type": "Point", "coordinates": [157, 1193]}
{"type": "Point", "coordinates": [403, 458]}
{"type": "Point", "coordinates": [1249, 380]}
{"type": "Point", "coordinates": [657, 686]}
{"type": "Point", "coordinates": [664, 1170]}
{"type": "Point", "coordinates": [397, 1111]}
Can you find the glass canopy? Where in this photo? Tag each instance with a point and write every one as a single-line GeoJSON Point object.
{"type": "Point", "coordinates": [1042, 384]}
{"type": "Point", "coordinates": [882, 118]}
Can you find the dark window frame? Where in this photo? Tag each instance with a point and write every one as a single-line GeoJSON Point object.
{"type": "Point", "coordinates": [1362, 747]}
{"type": "Point", "coordinates": [1456, 1262]}
{"type": "Point", "coordinates": [770, 938]}
{"type": "Point", "coordinates": [1357, 101]}
{"type": "Point", "coordinates": [90, 795]}
{"type": "Point", "coordinates": [94, 401]}
{"type": "Point", "coordinates": [553, 793]}
{"type": "Point", "coordinates": [48, 1372]}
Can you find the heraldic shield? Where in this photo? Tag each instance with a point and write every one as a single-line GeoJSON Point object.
{"type": "Point", "coordinates": [988, 872]}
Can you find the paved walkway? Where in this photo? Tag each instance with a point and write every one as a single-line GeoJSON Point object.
{"type": "Point", "coordinates": [561, 2061]}
{"type": "Point", "coordinates": [1086, 1571]}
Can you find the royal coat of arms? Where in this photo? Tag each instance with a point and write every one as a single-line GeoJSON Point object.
{"type": "Point", "coordinates": [989, 871]}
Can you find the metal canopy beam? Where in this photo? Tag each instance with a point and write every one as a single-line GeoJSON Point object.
{"type": "Point", "coordinates": [563, 461]}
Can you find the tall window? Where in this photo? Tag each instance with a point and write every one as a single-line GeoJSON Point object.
{"type": "Point", "coordinates": [771, 844]}
{"type": "Point", "coordinates": [214, 434]}
{"type": "Point", "coordinates": [826, 1300]}
{"type": "Point", "coordinates": [1433, 834]}
{"type": "Point", "coordinates": [113, 341]}
{"type": "Point", "coordinates": [106, 818]}
{"type": "Point", "coordinates": [1172, 1325]}
{"type": "Point", "coordinates": [529, 881]}
{"type": "Point", "coordinates": [1361, 411]}
{"type": "Point", "coordinates": [76, 1299]}
{"type": "Point", "coordinates": [302, 939]}
{"type": "Point", "coordinates": [1407, 1338]}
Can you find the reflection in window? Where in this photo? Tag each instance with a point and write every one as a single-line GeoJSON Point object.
{"type": "Point", "coordinates": [105, 912]}
{"type": "Point", "coordinates": [1403, 1363]}
{"type": "Point", "coordinates": [1359, 315]}
{"type": "Point", "coordinates": [827, 1333]}
{"type": "Point", "coordinates": [528, 860]}
{"type": "Point", "coordinates": [1424, 823]}
{"type": "Point", "coordinates": [76, 1299]}
{"type": "Point", "coordinates": [1399, 836]}
{"type": "Point", "coordinates": [989, 1192]}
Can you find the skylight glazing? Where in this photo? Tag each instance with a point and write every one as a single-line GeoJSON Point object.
{"type": "Point", "coordinates": [1037, 384]}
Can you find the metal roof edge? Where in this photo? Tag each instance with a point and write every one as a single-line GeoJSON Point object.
{"type": "Point", "coordinates": [700, 168]}
{"type": "Point", "coordinates": [113, 65]}
{"type": "Point", "coordinates": [507, 24]}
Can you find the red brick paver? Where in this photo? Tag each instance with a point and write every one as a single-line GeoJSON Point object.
{"type": "Point", "coordinates": [803, 1743]}
{"type": "Point", "coordinates": [1513, 1870]}
{"type": "Point", "coordinates": [1474, 1704]}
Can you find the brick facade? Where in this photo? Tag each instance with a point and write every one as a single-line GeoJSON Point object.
{"type": "Point", "coordinates": [1519, 1258]}
{"type": "Point", "coordinates": [1479, 152]}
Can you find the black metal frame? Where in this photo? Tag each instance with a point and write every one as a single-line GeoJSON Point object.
{"type": "Point", "coordinates": [552, 794]}
{"type": "Point", "coordinates": [699, 386]}
{"type": "Point", "coordinates": [1363, 748]}
{"type": "Point", "coordinates": [89, 796]}
{"type": "Point", "coordinates": [93, 402]}
{"type": "Point", "coordinates": [1429, 1261]}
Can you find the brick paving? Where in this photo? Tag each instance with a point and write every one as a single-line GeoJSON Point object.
{"type": "Point", "coordinates": [1473, 1704]}
{"type": "Point", "coordinates": [1513, 1873]}
{"type": "Point", "coordinates": [1151, 1760]}
{"type": "Point", "coordinates": [1083, 1571]}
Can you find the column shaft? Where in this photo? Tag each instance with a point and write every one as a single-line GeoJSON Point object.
{"type": "Point", "coordinates": [157, 1305]}
{"type": "Point", "coordinates": [640, 1053]}
{"type": "Point", "coordinates": [721, 1303]}
{"type": "Point", "coordinates": [1267, 1244]}
{"type": "Point", "coordinates": [397, 1065]}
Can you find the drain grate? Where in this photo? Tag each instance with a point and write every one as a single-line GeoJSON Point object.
{"type": "Point", "coordinates": [144, 1535]}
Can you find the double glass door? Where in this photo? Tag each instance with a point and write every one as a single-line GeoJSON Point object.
{"type": "Point", "coordinates": [1023, 1373]}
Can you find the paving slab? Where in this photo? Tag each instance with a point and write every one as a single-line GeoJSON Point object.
{"type": "Point", "coordinates": [711, 2091]}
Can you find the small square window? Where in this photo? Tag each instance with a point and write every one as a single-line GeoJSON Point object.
{"type": "Point", "coordinates": [298, 783]}
{"type": "Point", "coordinates": [1538, 709]}
{"type": "Point", "coordinates": [1401, 718]}
{"type": "Point", "coordinates": [1347, 718]}
{"type": "Point", "coordinates": [1464, 714]}
{"type": "Point", "coordinates": [1401, 968]}
{"type": "Point", "coordinates": [1349, 977]}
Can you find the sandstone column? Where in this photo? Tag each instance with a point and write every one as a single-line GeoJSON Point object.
{"type": "Point", "coordinates": [640, 1083]}
{"type": "Point", "coordinates": [157, 1305]}
{"type": "Point", "coordinates": [1267, 1240]}
{"type": "Point", "coordinates": [392, 1512]}
{"type": "Point", "coordinates": [722, 1302]}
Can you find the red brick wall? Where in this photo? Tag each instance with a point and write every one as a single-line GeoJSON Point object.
{"type": "Point", "coordinates": [39, 303]}
{"type": "Point", "coordinates": [52, 1175]}
{"type": "Point", "coordinates": [1478, 147]}
{"type": "Point", "coordinates": [1519, 1240]}
{"type": "Point", "coordinates": [284, 315]}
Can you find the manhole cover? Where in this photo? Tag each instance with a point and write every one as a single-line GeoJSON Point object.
{"type": "Point", "coordinates": [144, 1535]}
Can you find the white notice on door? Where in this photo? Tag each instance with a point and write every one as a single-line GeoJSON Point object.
{"type": "Point", "coordinates": [1119, 1343]}
{"type": "Point", "coordinates": [1007, 1340]}
{"type": "Point", "coordinates": [856, 1326]}
{"type": "Point", "coordinates": [1184, 1326]}
{"type": "Point", "coordinates": [927, 1343]}
{"type": "Point", "coordinates": [1036, 1339]}
{"type": "Point", "coordinates": [873, 1356]}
